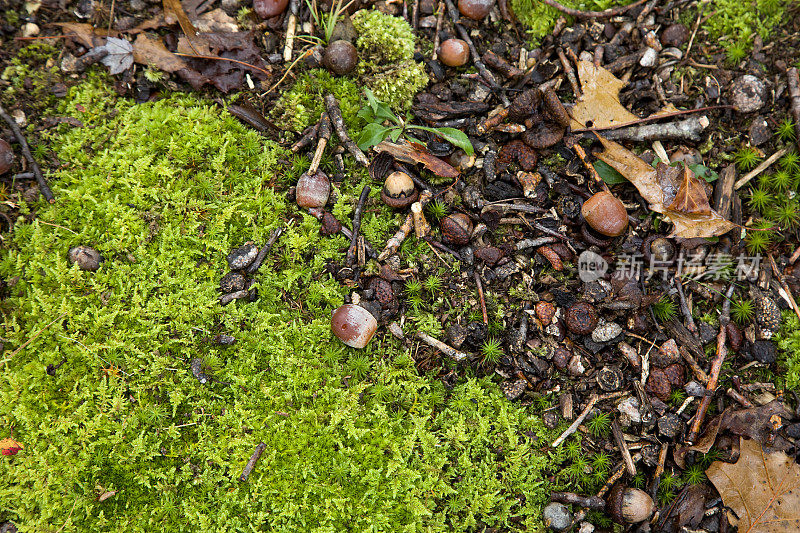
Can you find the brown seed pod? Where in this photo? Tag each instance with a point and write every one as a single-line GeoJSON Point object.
{"type": "Point", "coordinates": [658, 250]}
{"type": "Point", "coordinates": [489, 254]}
{"type": "Point", "coordinates": [581, 318]}
{"type": "Point", "coordinates": [658, 384]}
{"type": "Point", "coordinates": [554, 107]}
{"type": "Point", "coordinates": [605, 213]}
{"type": "Point", "coordinates": [330, 224]}
{"type": "Point", "coordinates": [456, 229]}
{"type": "Point", "coordinates": [516, 152]}
{"type": "Point", "coordinates": [399, 191]}
{"type": "Point", "coordinates": [628, 505]}
{"type": "Point", "coordinates": [6, 156]}
{"type": "Point", "coordinates": [85, 257]}
{"type": "Point", "coordinates": [545, 311]}
{"type": "Point", "coordinates": [384, 294]}
{"type": "Point", "coordinates": [561, 357]}
{"type": "Point", "coordinates": [313, 190]}
{"type": "Point", "coordinates": [269, 8]}
{"type": "Point", "coordinates": [734, 336]}
{"type": "Point", "coordinates": [542, 133]}
{"type": "Point", "coordinates": [353, 325]}
{"type": "Point", "coordinates": [340, 57]}
{"type": "Point", "coordinates": [454, 52]}
{"type": "Point", "coordinates": [552, 257]}
{"type": "Point", "coordinates": [513, 389]}
{"type": "Point", "coordinates": [475, 9]}
{"type": "Point", "coordinates": [524, 105]}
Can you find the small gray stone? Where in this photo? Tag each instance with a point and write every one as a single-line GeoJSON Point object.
{"type": "Point", "coordinates": [456, 333]}
{"type": "Point", "coordinates": [675, 35]}
{"type": "Point", "coordinates": [232, 282]}
{"type": "Point", "coordinates": [759, 131]}
{"type": "Point", "coordinates": [694, 389]}
{"type": "Point", "coordinates": [557, 517]}
{"type": "Point", "coordinates": [748, 93]}
{"type": "Point", "coordinates": [649, 58]}
{"type": "Point", "coordinates": [242, 256]}
{"type": "Point", "coordinates": [630, 408]}
{"type": "Point", "coordinates": [576, 367]}
{"type": "Point", "coordinates": [606, 332]}
{"type": "Point", "coordinates": [763, 351]}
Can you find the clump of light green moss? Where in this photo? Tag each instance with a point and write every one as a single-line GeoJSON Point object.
{"type": "Point", "coordinates": [383, 38]}
{"type": "Point", "coordinates": [397, 84]}
{"type": "Point", "coordinates": [355, 440]}
{"type": "Point", "coordinates": [738, 22]}
{"type": "Point", "coordinates": [539, 18]}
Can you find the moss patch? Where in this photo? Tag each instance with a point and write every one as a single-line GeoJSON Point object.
{"type": "Point", "coordinates": [355, 440]}
{"type": "Point", "coordinates": [539, 18]}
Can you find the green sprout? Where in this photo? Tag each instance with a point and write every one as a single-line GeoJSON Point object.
{"type": "Point", "coordinates": [639, 480]}
{"type": "Point", "coordinates": [327, 21]}
{"type": "Point", "coordinates": [492, 350]}
{"type": "Point", "coordinates": [573, 448]}
{"type": "Point", "coordinates": [781, 181]}
{"type": "Point", "coordinates": [359, 366]}
{"type": "Point", "coordinates": [790, 162]}
{"type": "Point", "coordinates": [600, 425]}
{"type": "Point", "coordinates": [413, 287]}
{"type": "Point", "coordinates": [677, 397]}
{"type": "Point", "coordinates": [433, 284]}
{"type": "Point", "coordinates": [785, 131]}
{"type": "Point", "coordinates": [694, 475]}
{"type": "Point", "coordinates": [437, 209]}
{"type": "Point", "coordinates": [577, 470]}
{"type": "Point", "coordinates": [759, 238]}
{"type": "Point", "coordinates": [746, 158]}
{"type": "Point", "coordinates": [601, 462]}
{"type": "Point", "coordinates": [759, 199]}
{"type": "Point", "coordinates": [736, 51]}
{"type": "Point", "coordinates": [786, 213]}
{"type": "Point", "coordinates": [742, 310]}
{"type": "Point", "coordinates": [665, 309]}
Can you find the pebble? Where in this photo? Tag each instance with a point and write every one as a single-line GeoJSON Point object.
{"type": "Point", "coordinates": [669, 425]}
{"type": "Point", "coordinates": [695, 389]}
{"type": "Point", "coordinates": [649, 58]}
{"type": "Point", "coordinates": [586, 527]}
{"type": "Point", "coordinates": [242, 256]}
{"type": "Point", "coordinates": [557, 517]}
{"type": "Point", "coordinates": [630, 408]}
{"type": "Point", "coordinates": [668, 354]}
{"type": "Point", "coordinates": [457, 334]}
{"type": "Point", "coordinates": [707, 332]}
{"type": "Point", "coordinates": [576, 367]}
{"type": "Point", "coordinates": [763, 351]}
{"type": "Point", "coordinates": [748, 93]}
{"type": "Point", "coordinates": [760, 131]}
{"type": "Point", "coordinates": [30, 30]}
{"type": "Point", "coordinates": [675, 35]}
{"type": "Point", "coordinates": [606, 331]}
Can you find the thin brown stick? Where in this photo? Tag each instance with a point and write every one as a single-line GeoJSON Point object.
{"type": "Point", "coordinates": [251, 463]}
{"type": "Point", "coordinates": [794, 94]}
{"type": "Point", "coordinates": [217, 58]}
{"type": "Point", "coordinates": [581, 417]}
{"type": "Point", "coordinates": [442, 347]}
{"type": "Point", "coordinates": [570, 72]}
{"type": "Point", "coordinates": [26, 151]}
{"type": "Point", "coordinates": [324, 135]}
{"type": "Point", "coordinates": [335, 114]}
{"type": "Point", "coordinates": [440, 11]}
{"type": "Point", "coordinates": [651, 118]}
{"type": "Point", "coordinates": [623, 448]}
{"type": "Point", "coordinates": [36, 335]}
{"type": "Point", "coordinates": [687, 313]}
{"type": "Point", "coordinates": [784, 286]}
{"type": "Point", "coordinates": [577, 13]}
{"type": "Point", "coordinates": [481, 297]}
{"type": "Point", "coordinates": [351, 250]}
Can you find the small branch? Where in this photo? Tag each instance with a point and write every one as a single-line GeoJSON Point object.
{"type": "Point", "coordinates": [291, 30]}
{"type": "Point", "coordinates": [421, 226]}
{"type": "Point", "coordinates": [26, 151]}
{"type": "Point", "coordinates": [791, 301]}
{"type": "Point", "coordinates": [397, 239]}
{"type": "Point", "coordinates": [689, 129]}
{"type": "Point", "coordinates": [251, 463]}
{"type": "Point", "coordinates": [481, 297]}
{"type": "Point", "coordinates": [687, 313]}
{"type": "Point", "coordinates": [570, 498]}
{"type": "Point", "coordinates": [440, 10]}
{"type": "Point", "coordinates": [262, 254]}
{"type": "Point", "coordinates": [586, 410]}
{"type": "Point", "coordinates": [577, 13]}
{"type": "Point", "coordinates": [570, 72]}
{"type": "Point", "coordinates": [623, 447]}
{"type": "Point", "coordinates": [36, 335]}
{"type": "Point", "coordinates": [442, 347]}
{"type": "Point", "coordinates": [760, 168]}
{"type": "Point", "coordinates": [307, 137]}
{"type": "Point", "coordinates": [651, 118]}
{"type": "Point", "coordinates": [351, 250]}
{"type": "Point", "coordinates": [794, 94]}
{"type": "Point", "coordinates": [323, 136]}
{"type": "Point", "coordinates": [335, 114]}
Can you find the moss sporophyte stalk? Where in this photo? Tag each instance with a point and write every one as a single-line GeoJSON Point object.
{"type": "Point", "coordinates": [164, 204]}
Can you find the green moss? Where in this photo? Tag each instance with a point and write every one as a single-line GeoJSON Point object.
{"type": "Point", "coordinates": [788, 340]}
{"type": "Point", "coordinates": [301, 106]}
{"type": "Point", "coordinates": [539, 18]}
{"type": "Point", "coordinates": [738, 22]}
{"type": "Point", "coordinates": [164, 190]}
{"type": "Point", "coordinates": [382, 38]}
{"type": "Point", "coordinates": [395, 85]}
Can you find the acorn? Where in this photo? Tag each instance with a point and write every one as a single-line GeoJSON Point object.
{"type": "Point", "coordinates": [313, 190]}
{"type": "Point", "coordinates": [605, 213]}
{"type": "Point", "coordinates": [475, 9]}
{"type": "Point", "coordinates": [628, 505]}
{"type": "Point", "coordinates": [6, 156]}
{"type": "Point", "coordinates": [85, 257]}
{"type": "Point", "coordinates": [658, 250]}
{"type": "Point", "coordinates": [545, 311]}
{"type": "Point", "coordinates": [581, 318]}
{"type": "Point", "coordinates": [399, 191]}
{"type": "Point", "coordinates": [340, 57]}
{"type": "Point", "coordinates": [454, 52]}
{"type": "Point", "coordinates": [456, 229]}
{"type": "Point", "coordinates": [353, 325]}
{"type": "Point", "coordinates": [269, 8]}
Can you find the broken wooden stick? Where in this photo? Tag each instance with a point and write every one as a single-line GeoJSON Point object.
{"type": "Point", "coordinates": [335, 114]}
{"type": "Point", "coordinates": [26, 151]}
{"type": "Point", "coordinates": [744, 180]}
{"type": "Point", "coordinates": [689, 129]}
{"type": "Point", "coordinates": [397, 239]}
{"type": "Point", "coordinates": [323, 136]}
{"type": "Point", "coordinates": [794, 94]}
{"type": "Point", "coordinates": [251, 463]}
{"type": "Point", "coordinates": [442, 347]}
{"type": "Point", "coordinates": [351, 250]}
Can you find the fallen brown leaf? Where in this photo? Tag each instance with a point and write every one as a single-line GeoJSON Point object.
{"type": "Point", "coordinates": [762, 489]}
{"type": "Point", "coordinates": [686, 210]}
{"type": "Point", "coordinates": [151, 51]}
{"type": "Point", "coordinates": [85, 34]}
{"type": "Point", "coordinates": [599, 106]}
{"type": "Point", "coordinates": [173, 8]}
{"type": "Point", "coordinates": [416, 153]}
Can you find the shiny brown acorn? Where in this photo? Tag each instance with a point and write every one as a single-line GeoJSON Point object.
{"type": "Point", "coordinates": [475, 9]}
{"type": "Point", "coordinates": [456, 229]}
{"type": "Point", "coordinates": [353, 325]}
{"type": "Point", "coordinates": [628, 505]}
{"type": "Point", "coordinates": [313, 190]}
{"type": "Point", "coordinates": [454, 52]}
{"type": "Point", "coordinates": [269, 8]}
{"type": "Point", "coordinates": [399, 191]}
{"type": "Point", "coordinates": [340, 57]}
{"type": "Point", "coordinates": [605, 214]}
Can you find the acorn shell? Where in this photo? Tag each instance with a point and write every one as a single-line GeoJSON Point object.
{"type": "Point", "coordinates": [605, 213]}
{"type": "Point", "coordinates": [313, 190]}
{"type": "Point", "coordinates": [399, 191]}
{"type": "Point", "coordinates": [628, 505]}
{"type": "Point", "coordinates": [456, 229]}
{"type": "Point", "coordinates": [353, 325]}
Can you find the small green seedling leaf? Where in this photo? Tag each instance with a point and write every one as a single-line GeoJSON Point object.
{"type": "Point", "coordinates": [455, 137]}
{"type": "Point", "coordinates": [608, 173]}
{"type": "Point", "coordinates": [371, 135]}
{"type": "Point", "coordinates": [702, 171]}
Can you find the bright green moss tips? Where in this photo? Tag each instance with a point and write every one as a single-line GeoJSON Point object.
{"type": "Point", "coordinates": [539, 18]}
{"type": "Point", "coordinates": [395, 84]}
{"type": "Point", "coordinates": [302, 105]}
{"type": "Point", "coordinates": [383, 38]}
{"type": "Point", "coordinates": [738, 22]}
{"type": "Point", "coordinates": [164, 190]}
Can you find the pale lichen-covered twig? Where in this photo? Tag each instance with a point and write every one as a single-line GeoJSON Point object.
{"type": "Point", "coordinates": [744, 180]}
{"type": "Point", "coordinates": [689, 129]}
{"type": "Point", "coordinates": [335, 114]}
{"type": "Point", "coordinates": [586, 410]}
{"type": "Point", "coordinates": [397, 239]}
{"type": "Point", "coordinates": [262, 254]}
{"type": "Point", "coordinates": [323, 136]}
{"type": "Point", "coordinates": [351, 250]}
{"type": "Point", "coordinates": [291, 30]}
{"type": "Point", "coordinates": [794, 94]}
{"type": "Point", "coordinates": [442, 347]}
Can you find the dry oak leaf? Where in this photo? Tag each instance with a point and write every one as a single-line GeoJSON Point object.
{"type": "Point", "coordinates": [762, 489]}
{"type": "Point", "coordinates": [416, 153]}
{"type": "Point", "coordinates": [688, 210]}
{"type": "Point", "coordinates": [599, 106]}
{"type": "Point", "coordinates": [9, 446]}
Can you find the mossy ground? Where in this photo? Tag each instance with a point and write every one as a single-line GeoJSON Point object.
{"type": "Point", "coordinates": [356, 440]}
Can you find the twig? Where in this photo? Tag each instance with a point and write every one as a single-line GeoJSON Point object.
{"type": "Point", "coordinates": [716, 366]}
{"type": "Point", "coordinates": [481, 297]}
{"type": "Point", "coordinates": [698, 372]}
{"type": "Point", "coordinates": [440, 10]}
{"type": "Point", "coordinates": [687, 313]}
{"type": "Point", "coordinates": [291, 30]}
{"type": "Point", "coordinates": [689, 129]}
{"type": "Point", "coordinates": [694, 31]}
{"type": "Point", "coordinates": [262, 254]}
{"type": "Point", "coordinates": [570, 72]}
{"type": "Point", "coordinates": [747, 404]}
{"type": "Point", "coordinates": [623, 448]}
{"type": "Point", "coordinates": [335, 114]}
{"type": "Point", "coordinates": [26, 151]}
{"type": "Point", "coordinates": [760, 168]}
{"type": "Point", "coordinates": [288, 70]}
{"type": "Point", "coordinates": [442, 347]}
{"type": "Point", "coordinates": [578, 421]}
{"type": "Point", "coordinates": [421, 226]}
{"type": "Point", "coordinates": [307, 137]}
{"type": "Point", "coordinates": [794, 94]}
{"type": "Point", "coordinates": [784, 286]}
{"type": "Point", "coordinates": [397, 239]}
{"type": "Point", "coordinates": [351, 250]}
{"type": "Point", "coordinates": [652, 118]}
{"type": "Point", "coordinates": [589, 502]}
{"type": "Point", "coordinates": [36, 335]}
{"type": "Point", "coordinates": [251, 463]}
{"type": "Point", "coordinates": [577, 13]}
{"type": "Point", "coordinates": [323, 136]}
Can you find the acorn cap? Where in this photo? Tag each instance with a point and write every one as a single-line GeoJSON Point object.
{"type": "Point", "coordinates": [456, 228]}
{"type": "Point", "coordinates": [399, 191]}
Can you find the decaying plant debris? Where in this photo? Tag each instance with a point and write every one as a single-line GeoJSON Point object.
{"type": "Point", "coordinates": [602, 222]}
